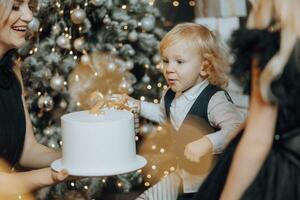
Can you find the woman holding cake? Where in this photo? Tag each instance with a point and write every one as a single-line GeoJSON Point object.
{"type": "Point", "coordinates": [17, 142]}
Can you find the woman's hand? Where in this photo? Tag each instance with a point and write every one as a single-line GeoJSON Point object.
{"type": "Point", "coordinates": [60, 176]}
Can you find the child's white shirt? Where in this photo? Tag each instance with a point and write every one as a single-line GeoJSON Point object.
{"type": "Point", "coordinates": [221, 113]}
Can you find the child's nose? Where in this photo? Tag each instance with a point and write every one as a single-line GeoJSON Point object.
{"type": "Point", "coordinates": [170, 68]}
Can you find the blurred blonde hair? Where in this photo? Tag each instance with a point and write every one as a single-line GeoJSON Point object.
{"type": "Point", "coordinates": [6, 7]}
{"type": "Point", "coordinates": [286, 15]}
{"type": "Point", "coordinates": [94, 76]}
{"type": "Point", "coordinates": [213, 52]}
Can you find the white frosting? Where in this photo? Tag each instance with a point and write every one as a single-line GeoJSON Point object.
{"type": "Point", "coordinates": [94, 142]}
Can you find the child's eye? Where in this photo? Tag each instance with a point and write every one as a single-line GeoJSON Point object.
{"type": "Point", "coordinates": [180, 61]}
{"type": "Point", "coordinates": [165, 61]}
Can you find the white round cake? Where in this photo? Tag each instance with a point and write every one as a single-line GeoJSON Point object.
{"type": "Point", "coordinates": [98, 145]}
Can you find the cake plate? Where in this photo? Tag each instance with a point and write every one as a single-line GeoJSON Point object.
{"type": "Point", "coordinates": [57, 165]}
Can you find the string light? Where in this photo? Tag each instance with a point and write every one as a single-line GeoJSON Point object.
{"type": "Point", "coordinates": [65, 83]}
{"type": "Point", "coordinates": [136, 138]}
{"type": "Point", "coordinates": [155, 101]}
{"type": "Point", "coordinates": [120, 184]}
{"type": "Point", "coordinates": [166, 172]}
{"type": "Point", "coordinates": [162, 150]}
{"type": "Point", "coordinates": [72, 184]}
{"type": "Point", "coordinates": [142, 98]}
{"type": "Point", "coordinates": [192, 3]}
{"type": "Point", "coordinates": [86, 187]}
{"type": "Point", "coordinates": [75, 57]}
{"type": "Point", "coordinates": [76, 77]}
{"type": "Point", "coordinates": [149, 87]}
{"type": "Point", "coordinates": [153, 167]}
{"type": "Point", "coordinates": [147, 184]}
{"type": "Point", "coordinates": [172, 169]}
{"type": "Point", "coordinates": [39, 93]}
{"type": "Point", "coordinates": [57, 4]}
{"type": "Point", "coordinates": [159, 85]}
{"type": "Point", "coordinates": [20, 197]}
{"type": "Point", "coordinates": [78, 103]}
{"type": "Point", "coordinates": [53, 49]}
{"type": "Point", "coordinates": [124, 7]}
{"type": "Point", "coordinates": [151, 2]}
{"type": "Point", "coordinates": [148, 175]}
{"type": "Point", "coordinates": [146, 66]}
{"type": "Point", "coordinates": [103, 180]}
{"type": "Point", "coordinates": [175, 3]}
{"type": "Point", "coordinates": [153, 147]}
{"type": "Point", "coordinates": [159, 128]}
{"type": "Point", "coordinates": [139, 171]}
{"type": "Point", "coordinates": [165, 87]}
{"type": "Point", "coordinates": [41, 29]}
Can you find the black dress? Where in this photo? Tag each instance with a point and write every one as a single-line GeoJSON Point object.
{"type": "Point", "coordinates": [279, 176]}
{"type": "Point", "coordinates": [12, 117]}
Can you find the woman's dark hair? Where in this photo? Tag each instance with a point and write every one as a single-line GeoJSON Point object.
{"type": "Point", "coordinates": [263, 45]}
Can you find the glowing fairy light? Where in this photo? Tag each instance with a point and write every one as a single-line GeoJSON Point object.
{"type": "Point", "coordinates": [175, 3]}
{"type": "Point", "coordinates": [120, 184]}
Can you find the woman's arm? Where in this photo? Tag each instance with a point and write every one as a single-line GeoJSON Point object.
{"type": "Point", "coordinates": [34, 154]}
{"type": "Point", "coordinates": [24, 182]}
{"type": "Point", "coordinates": [254, 146]}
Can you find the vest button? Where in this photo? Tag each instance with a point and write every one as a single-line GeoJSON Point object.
{"type": "Point", "coordinates": [277, 137]}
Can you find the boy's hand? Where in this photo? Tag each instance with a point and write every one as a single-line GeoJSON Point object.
{"type": "Point", "coordinates": [195, 150]}
{"type": "Point", "coordinates": [131, 101]}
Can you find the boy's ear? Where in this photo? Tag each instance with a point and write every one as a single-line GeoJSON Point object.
{"type": "Point", "coordinates": [203, 71]}
{"type": "Point", "coordinates": [206, 65]}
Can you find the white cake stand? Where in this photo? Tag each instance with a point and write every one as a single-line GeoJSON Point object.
{"type": "Point", "coordinates": [57, 165]}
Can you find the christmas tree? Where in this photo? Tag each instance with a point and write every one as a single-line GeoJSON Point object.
{"type": "Point", "coordinates": [65, 33]}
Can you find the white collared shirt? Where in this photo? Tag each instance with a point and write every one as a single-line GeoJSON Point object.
{"type": "Point", "coordinates": [221, 114]}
